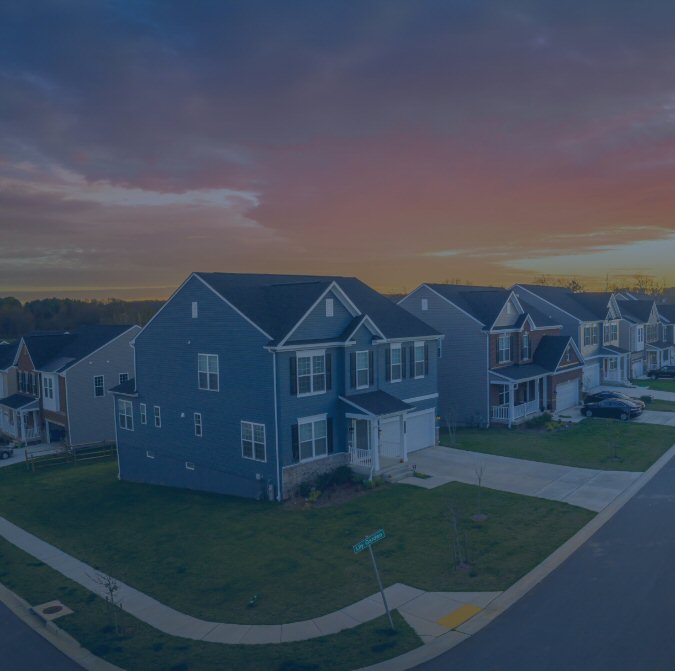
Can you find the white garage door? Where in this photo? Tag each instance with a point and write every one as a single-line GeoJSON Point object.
{"type": "Point", "coordinates": [591, 376]}
{"type": "Point", "coordinates": [567, 395]}
{"type": "Point", "coordinates": [637, 368]}
{"type": "Point", "coordinates": [421, 430]}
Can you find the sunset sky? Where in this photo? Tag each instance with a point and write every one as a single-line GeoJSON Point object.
{"type": "Point", "coordinates": [399, 141]}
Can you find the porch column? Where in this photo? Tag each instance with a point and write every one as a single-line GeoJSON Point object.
{"type": "Point", "coordinates": [536, 395]}
{"type": "Point", "coordinates": [375, 443]}
{"type": "Point", "coordinates": [511, 391]}
{"type": "Point", "coordinates": [402, 434]}
{"type": "Point", "coordinates": [545, 392]}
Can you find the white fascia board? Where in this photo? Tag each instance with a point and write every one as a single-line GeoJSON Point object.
{"type": "Point", "coordinates": [372, 327]}
{"type": "Point", "coordinates": [355, 405]}
{"type": "Point", "coordinates": [22, 344]}
{"type": "Point", "coordinates": [407, 296]}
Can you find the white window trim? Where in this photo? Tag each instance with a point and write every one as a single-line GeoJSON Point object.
{"type": "Point", "coordinates": [357, 369]}
{"type": "Point", "coordinates": [330, 307]}
{"type": "Point", "coordinates": [395, 346]}
{"type": "Point", "coordinates": [120, 377]}
{"type": "Point", "coordinates": [311, 353]}
{"type": "Point", "coordinates": [312, 420]}
{"type": "Point", "coordinates": [419, 344]}
{"type": "Point", "coordinates": [195, 309]}
{"type": "Point", "coordinates": [526, 337]}
{"type": "Point", "coordinates": [425, 304]}
{"type": "Point", "coordinates": [208, 372]}
{"type": "Point", "coordinates": [126, 404]}
{"type": "Point", "coordinates": [102, 386]}
{"type": "Point", "coordinates": [143, 411]}
{"type": "Point", "coordinates": [241, 433]}
{"type": "Point", "coordinates": [48, 391]}
{"type": "Point", "coordinates": [197, 418]}
{"type": "Point", "coordinates": [504, 337]}
{"type": "Point", "coordinates": [157, 416]}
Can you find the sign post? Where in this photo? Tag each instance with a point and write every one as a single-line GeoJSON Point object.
{"type": "Point", "coordinates": [368, 542]}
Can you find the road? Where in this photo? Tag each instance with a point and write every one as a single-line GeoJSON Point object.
{"type": "Point", "coordinates": [21, 649]}
{"type": "Point", "coordinates": [609, 607]}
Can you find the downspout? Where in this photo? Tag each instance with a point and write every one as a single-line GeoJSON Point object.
{"type": "Point", "coordinates": [276, 425]}
{"type": "Point", "coordinates": [487, 378]}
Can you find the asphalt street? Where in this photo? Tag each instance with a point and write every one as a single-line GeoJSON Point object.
{"type": "Point", "coordinates": [609, 607]}
{"type": "Point", "coordinates": [22, 649]}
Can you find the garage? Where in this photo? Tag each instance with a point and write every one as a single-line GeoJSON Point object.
{"type": "Point", "coordinates": [591, 376]}
{"type": "Point", "coordinates": [637, 368]}
{"type": "Point", "coordinates": [421, 430]}
{"type": "Point", "coordinates": [567, 395]}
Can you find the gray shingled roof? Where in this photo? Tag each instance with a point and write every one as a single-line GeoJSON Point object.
{"type": "Point", "coordinates": [667, 311]}
{"type": "Point", "coordinates": [550, 350]}
{"type": "Point", "coordinates": [276, 303]}
{"type": "Point", "coordinates": [126, 388]}
{"type": "Point", "coordinates": [596, 301]}
{"type": "Point", "coordinates": [561, 297]}
{"type": "Point", "coordinates": [377, 403]}
{"type": "Point", "coordinates": [636, 311]}
{"type": "Point", "coordinates": [16, 401]}
{"type": "Point", "coordinates": [518, 372]}
{"type": "Point", "coordinates": [7, 354]}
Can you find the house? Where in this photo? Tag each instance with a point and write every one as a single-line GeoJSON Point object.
{"type": "Point", "coordinates": [7, 385]}
{"type": "Point", "coordinates": [503, 360]}
{"type": "Point", "coordinates": [595, 328]}
{"type": "Point", "coordinates": [667, 319]}
{"type": "Point", "coordinates": [55, 386]}
{"type": "Point", "coordinates": [251, 384]}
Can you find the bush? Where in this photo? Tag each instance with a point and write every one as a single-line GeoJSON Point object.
{"type": "Point", "coordinates": [539, 422]}
{"type": "Point", "coordinates": [340, 476]}
{"type": "Point", "coordinates": [646, 398]}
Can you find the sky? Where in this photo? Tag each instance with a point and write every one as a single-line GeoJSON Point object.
{"type": "Point", "coordinates": [398, 141]}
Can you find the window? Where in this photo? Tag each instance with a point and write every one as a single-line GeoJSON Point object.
{"type": "Point", "coordinates": [208, 371]}
{"type": "Point", "coordinates": [126, 414]}
{"type": "Point", "coordinates": [396, 366]}
{"type": "Point", "coordinates": [568, 355]}
{"type": "Point", "coordinates": [124, 377]}
{"type": "Point", "coordinates": [425, 304]}
{"type": "Point", "coordinates": [329, 307]}
{"type": "Point", "coordinates": [28, 383]}
{"type": "Point", "coordinates": [440, 349]}
{"type": "Point", "coordinates": [504, 395]}
{"type": "Point", "coordinates": [158, 417]}
{"type": "Point", "coordinates": [611, 364]}
{"type": "Point", "coordinates": [652, 332]}
{"type": "Point", "coordinates": [504, 348]}
{"type": "Point", "coordinates": [49, 387]}
{"type": "Point", "coordinates": [362, 369]}
{"type": "Point", "coordinates": [195, 309]}
{"type": "Point", "coordinates": [312, 438]}
{"type": "Point", "coordinates": [587, 336]}
{"type": "Point", "coordinates": [594, 334]}
{"type": "Point", "coordinates": [198, 424]}
{"type": "Point", "coordinates": [420, 359]}
{"type": "Point", "coordinates": [142, 408]}
{"type": "Point", "coordinates": [525, 346]}
{"type": "Point", "coordinates": [253, 441]}
{"type": "Point", "coordinates": [614, 331]}
{"type": "Point", "coordinates": [640, 335]}
{"type": "Point", "coordinates": [98, 385]}
{"type": "Point", "coordinates": [311, 372]}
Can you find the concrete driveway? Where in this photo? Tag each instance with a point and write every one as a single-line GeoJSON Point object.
{"type": "Point", "coordinates": [656, 417]}
{"type": "Point", "coordinates": [583, 487]}
{"type": "Point", "coordinates": [636, 392]}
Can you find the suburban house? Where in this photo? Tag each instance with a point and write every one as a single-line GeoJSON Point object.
{"type": "Point", "coordinates": [503, 360]}
{"type": "Point", "coordinates": [667, 318]}
{"type": "Point", "coordinates": [7, 385]}
{"type": "Point", "coordinates": [251, 384]}
{"type": "Point", "coordinates": [598, 331]}
{"type": "Point", "coordinates": [56, 384]}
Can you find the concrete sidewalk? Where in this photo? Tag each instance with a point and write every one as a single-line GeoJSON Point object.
{"type": "Point", "coordinates": [430, 614]}
{"type": "Point", "coordinates": [636, 392]}
{"type": "Point", "coordinates": [583, 487]}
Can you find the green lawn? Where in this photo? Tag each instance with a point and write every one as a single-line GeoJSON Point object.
{"type": "Point", "coordinates": [142, 648]}
{"type": "Point", "coordinates": [661, 406]}
{"type": "Point", "coordinates": [208, 555]}
{"type": "Point", "coordinates": [656, 385]}
{"type": "Point", "coordinates": [586, 444]}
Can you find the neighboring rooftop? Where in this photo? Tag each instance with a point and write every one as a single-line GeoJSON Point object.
{"type": "Point", "coordinates": [637, 311]}
{"type": "Point", "coordinates": [7, 354]}
{"type": "Point", "coordinates": [562, 298]}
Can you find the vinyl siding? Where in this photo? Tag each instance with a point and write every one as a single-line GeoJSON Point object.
{"type": "Point", "coordinates": [316, 325]}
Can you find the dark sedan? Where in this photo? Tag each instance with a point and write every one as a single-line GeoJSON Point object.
{"type": "Point", "coordinates": [612, 407]}
{"type": "Point", "coordinates": [664, 371]}
{"type": "Point", "coordinates": [602, 395]}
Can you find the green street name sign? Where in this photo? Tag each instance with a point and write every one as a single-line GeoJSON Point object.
{"type": "Point", "coordinates": [368, 540]}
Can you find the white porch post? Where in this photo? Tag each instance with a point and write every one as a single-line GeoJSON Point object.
{"type": "Point", "coordinates": [403, 440]}
{"type": "Point", "coordinates": [536, 395]}
{"type": "Point", "coordinates": [510, 385]}
{"type": "Point", "coordinates": [375, 443]}
{"type": "Point", "coordinates": [545, 392]}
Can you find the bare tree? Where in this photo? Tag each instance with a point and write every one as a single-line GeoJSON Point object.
{"type": "Point", "coordinates": [479, 470]}
{"type": "Point", "coordinates": [451, 422]}
{"type": "Point", "coordinates": [111, 588]}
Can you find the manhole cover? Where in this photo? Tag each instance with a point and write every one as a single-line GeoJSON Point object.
{"type": "Point", "coordinates": [50, 610]}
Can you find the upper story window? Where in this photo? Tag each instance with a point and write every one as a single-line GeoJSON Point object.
{"type": "Point", "coordinates": [396, 363]}
{"type": "Point", "coordinates": [48, 384]}
{"type": "Point", "coordinates": [142, 409]}
{"type": "Point", "coordinates": [158, 417]}
{"type": "Point", "coordinates": [425, 304]}
{"type": "Point", "coordinates": [362, 369]}
{"type": "Point", "coordinates": [420, 359]}
{"type": "Point", "coordinates": [124, 377]}
{"type": "Point", "coordinates": [311, 372]}
{"type": "Point", "coordinates": [28, 383]}
{"type": "Point", "coordinates": [504, 348]}
{"type": "Point", "coordinates": [595, 334]}
{"type": "Point", "coordinates": [207, 365]}
{"type": "Point", "coordinates": [640, 335]}
{"type": "Point", "coordinates": [253, 441]}
{"type": "Point", "coordinates": [591, 335]}
{"type": "Point", "coordinates": [195, 309]}
{"type": "Point", "coordinates": [126, 414]}
{"type": "Point", "coordinates": [99, 385]}
{"type": "Point", "coordinates": [525, 346]}
{"type": "Point", "coordinates": [330, 307]}
{"type": "Point", "coordinates": [651, 332]}
{"type": "Point", "coordinates": [198, 424]}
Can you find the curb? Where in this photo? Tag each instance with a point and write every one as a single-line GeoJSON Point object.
{"type": "Point", "coordinates": [519, 589]}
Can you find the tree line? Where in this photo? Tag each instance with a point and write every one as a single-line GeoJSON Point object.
{"type": "Point", "coordinates": [66, 314]}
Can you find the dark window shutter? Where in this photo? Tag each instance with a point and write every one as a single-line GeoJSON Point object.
{"type": "Point", "coordinates": [295, 442]}
{"type": "Point", "coordinates": [404, 367]}
{"type": "Point", "coordinates": [513, 347]}
{"type": "Point", "coordinates": [352, 370]}
{"type": "Point", "coordinates": [294, 375]}
{"type": "Point", "coordinates": [329, 434]}
{"type": "Point", "coordinates": [329, 371]}
{"type": "Point", "coordinates": [387, 363]}
{"type": "Point", "coordinates": [426, 358]}
{"type": "Point", "coordinates": [411, 354]}
{"type": "Point", "coordinates": [497, 349]}
{"type": "Point", "coordinates": [371, 367]}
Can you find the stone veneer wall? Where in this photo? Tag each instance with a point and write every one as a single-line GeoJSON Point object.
{"type": "Point", "coordinates": [294, 475]}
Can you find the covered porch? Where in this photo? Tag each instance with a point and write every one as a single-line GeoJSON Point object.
{"type": "Point", "coordinates": [20, 418]}
{"type": "Point", "coordinates": [658, 354]}
{"type": "Point", "coordinates": [517, 393]}
{"type": "Point", "coordinates": [376, 431]}
{"type": "Point", "coordinates": [615, 364]}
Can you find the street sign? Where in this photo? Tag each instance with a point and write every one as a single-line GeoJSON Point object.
{"type": "Point", "coordinates": [368, 541]}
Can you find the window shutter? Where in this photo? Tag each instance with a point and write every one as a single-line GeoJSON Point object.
{"type": "Point", "coordinates": [329, 434]}
{"type": "Point", "coordinates": [295, 442]}
{"type": "Point", "coordinates": [426, 358]}
{"type": "Point", "coordinates": [329, 371]}
{"type": "Point", "coordinates": [371, 367]}
{"type": "Point", "coordinates": [387, 363]}
{"type": "Point", "coordinates": [294, 375]}
{"type": "Point", "coordinates": [352, 370]}
{"type": "Point", "coordinates": [403, 363]}
{"type": "Point", "coordinates": [411, 354]}
{"type": "Point", "coordinates": [497, 350]}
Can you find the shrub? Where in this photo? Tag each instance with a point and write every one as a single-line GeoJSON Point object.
{"type": "Point", "coordinates": [540, 421]}
{"type": "Point", "coordinates": [646, 398]}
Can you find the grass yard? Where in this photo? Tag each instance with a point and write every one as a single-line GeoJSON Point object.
{"type": "Point", "coordinates": [661, 406]}
{"type": "Point", "coordinates": [656, 385]}
{"type": "Point", "coordinates": [586, 444]}
{"type": "Point", "coordinates": [142, 648]}
{"type": "Point", "coordinates": [207, 555]}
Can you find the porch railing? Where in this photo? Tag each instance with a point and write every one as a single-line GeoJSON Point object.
{"type": "Point", "coordinates": [501, 412]}
{"type": "Point", "coordinates": [359, 457]}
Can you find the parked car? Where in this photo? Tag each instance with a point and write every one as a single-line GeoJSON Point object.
{"type": "Point", "coordinates": [6, 451]}
{"type": "Point", "coordinates": [602, 395]}
{"type": "Point", "coordinates": [664, 371]}
{"type": "Point", "coordinates": [612, 407]}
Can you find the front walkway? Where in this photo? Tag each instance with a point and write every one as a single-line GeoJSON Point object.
{"type": "Point", "coordinates": [583, 487]}
{"type": "Point", "coordinates": [430, 614]}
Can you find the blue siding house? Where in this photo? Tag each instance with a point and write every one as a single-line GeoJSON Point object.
{"type": "Point", "coordinates": [251, 384]}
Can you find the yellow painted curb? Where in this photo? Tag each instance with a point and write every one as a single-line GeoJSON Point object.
{"type": "Point", "coordinates": [459, 616]}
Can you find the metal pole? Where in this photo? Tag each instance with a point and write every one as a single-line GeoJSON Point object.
{"type": "Point", "coordinates": [379, 582]}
